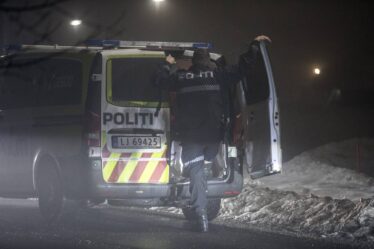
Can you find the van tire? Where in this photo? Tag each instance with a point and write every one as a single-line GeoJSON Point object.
{"type": "Point", "coordinates": [50, 194]}
{"type": "Point", "coordinates": [213, 208]}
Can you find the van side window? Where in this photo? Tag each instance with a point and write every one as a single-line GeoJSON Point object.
{"type": "Point", "coordinates": [27, 81]}
{"type": "Point", "coordinates": [17, 85]}
{"type": "Point", "coordinates": [62, 83]}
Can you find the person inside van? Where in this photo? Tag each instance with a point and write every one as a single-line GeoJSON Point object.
{"type": "Point", "coordinates": [199, 114]}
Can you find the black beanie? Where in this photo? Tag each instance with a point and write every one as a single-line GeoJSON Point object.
{"type": "Point", "coordinates": [201, 58]}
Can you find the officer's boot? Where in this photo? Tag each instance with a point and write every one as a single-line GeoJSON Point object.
{"type": "Point", "coordinates": [203, 223]}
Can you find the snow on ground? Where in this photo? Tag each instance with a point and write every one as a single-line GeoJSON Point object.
{"type": "Point", "coordinates": [325, 171]}
{"type": "Point", "coordinates": [315, 194]}
{"type": "Point", "coordinates": [289, 211]}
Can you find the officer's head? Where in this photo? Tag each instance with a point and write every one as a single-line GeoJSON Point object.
{"type": "Point", "coordinates": [201, 58]}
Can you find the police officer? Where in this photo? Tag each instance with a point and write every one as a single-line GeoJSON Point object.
{"type": "Point", "coordinates": [199, 114]}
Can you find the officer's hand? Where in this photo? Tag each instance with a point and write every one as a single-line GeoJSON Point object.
{"type": "Point", "coordinates": [170, 59]}
{"type": "Point", "coordinates": [262, 38]}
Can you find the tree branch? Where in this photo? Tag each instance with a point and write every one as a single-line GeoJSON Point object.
{"type": "Point", "coordinates": [26, 8]}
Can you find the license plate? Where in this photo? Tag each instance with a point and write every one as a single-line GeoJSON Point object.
{"type": "Point", "coordinates": [136, 142]}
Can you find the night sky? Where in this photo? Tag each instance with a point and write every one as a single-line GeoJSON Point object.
{"type": "Point", "coordinates": [337, 36]}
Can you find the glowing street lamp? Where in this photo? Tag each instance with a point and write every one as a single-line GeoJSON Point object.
{"type": "Point", "coordinates": [76, 22]}
{"type": "Point", "coordinates": [157, 3]}
{"type": "Point", "coordinates": [317, 71]}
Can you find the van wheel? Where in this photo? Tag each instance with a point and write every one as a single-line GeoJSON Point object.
{"type": "Point", "coordinates": [50, 193]}
{"type": "Point", "coordinates": [213, 207]}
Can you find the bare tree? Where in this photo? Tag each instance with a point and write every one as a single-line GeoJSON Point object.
{"type": "Point", "coordinates": [40, 20]}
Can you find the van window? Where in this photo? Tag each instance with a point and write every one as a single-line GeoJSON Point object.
{"type": "Point", "coordinates": [132, 79]}
{"type": "Point", "coordinates": [34, 81]}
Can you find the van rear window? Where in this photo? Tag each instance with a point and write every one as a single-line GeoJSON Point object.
{"type": "Point", "coordinates": [132, 80]}
{"type": "Point", "coordinates": [36, 81]}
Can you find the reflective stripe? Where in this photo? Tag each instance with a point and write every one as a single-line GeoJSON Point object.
{"type": "Point", "coordinates": [195, 160]}
{"type": "Point", "coordinates": [165, 176]}
{"type": "Point", "coordinates": [110, 165]}
{"type": "Point", "coordinates": [147, 174]}
{"type": "Point", "coordinates": [199, 88]}
{"type": "Point", "coordinates": [130, 168]}
{"type": "Point", "coordinates": [136, 167]}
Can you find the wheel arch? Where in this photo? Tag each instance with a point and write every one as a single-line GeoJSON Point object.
{"type": "Point", "coordinates": [40, 160]}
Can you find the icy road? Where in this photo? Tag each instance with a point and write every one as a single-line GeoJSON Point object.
{"type": "Point", "coordinates": [317, 196]}
{"type": "Point", "coordinates": [105, 227]}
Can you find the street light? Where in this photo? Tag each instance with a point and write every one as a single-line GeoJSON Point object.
{"type": "Point", "coordinates": [76, 22]}
{"type": "Point", "coordinates": [317, 71]}
{"type": "Point", "coordinates": [157, 4]}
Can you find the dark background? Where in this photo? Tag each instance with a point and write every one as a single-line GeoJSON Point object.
{"type": "Point", "coordinates": [336, 36]}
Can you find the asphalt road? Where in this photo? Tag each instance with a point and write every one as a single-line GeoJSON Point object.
{"type": "Point", "coordinates": [21, 226]}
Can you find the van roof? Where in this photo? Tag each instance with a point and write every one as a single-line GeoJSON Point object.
{"type": "Point", "coordinates": [114, 47]}
{"type": "Point", "coordinates": [98, 45]}
{"type": "Point", "coordinates": [151, 45]}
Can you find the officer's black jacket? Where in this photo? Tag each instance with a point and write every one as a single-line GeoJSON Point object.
{"type": "Point", "coordinates": [200, 95]}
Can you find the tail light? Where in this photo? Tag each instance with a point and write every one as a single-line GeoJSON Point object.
{"type": "Point", "coordinates": [93, 130]}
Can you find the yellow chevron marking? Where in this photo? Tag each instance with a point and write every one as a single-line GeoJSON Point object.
{"type": "Point", "coordinates": [160, 153]}
{"type": "Point", "coordinates": [129, 168]}
{"type": "Point", "coordinates": [165, 175]}
{"type": "Point", "coordinates": [110, 165]}
{"type": "Point", "coordinates": [136, 155]}
{"type": "Point", "coordinates": [148, 171]}
{"type": "Point", "coordinates": [127, 172]}
{"type": "Point", "coordinates": [151, 166]}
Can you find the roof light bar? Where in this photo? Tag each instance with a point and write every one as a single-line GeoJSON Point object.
{"type": "Point", "coordinates": [148, 44]}
{"type": "Point", "coordinates": [102, 43]}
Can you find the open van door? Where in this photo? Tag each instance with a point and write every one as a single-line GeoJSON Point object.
{"type": "Point", "coordinates": [261, 136]}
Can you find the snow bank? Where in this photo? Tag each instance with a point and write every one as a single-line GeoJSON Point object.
{"type": "Point", "coordinates": [315, 194]}
{"type": "Point", "coordinates": [289, 211]}
{"type": "Point", "coordinates": [326, 171]}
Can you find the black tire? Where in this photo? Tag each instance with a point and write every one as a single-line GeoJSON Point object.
{"type": "Point", "coordinates": [213, 207]}
{"type": "Point", "coordinates": [50, 194]}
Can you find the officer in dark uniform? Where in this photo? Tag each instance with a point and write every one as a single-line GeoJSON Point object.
{"type": "Point", "coordinates": [199, 114]}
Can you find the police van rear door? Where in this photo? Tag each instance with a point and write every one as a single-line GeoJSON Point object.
{"type": "Point", "coordinates": [134, 138]}
{"type": "Point", "coordinates": [261, 118]}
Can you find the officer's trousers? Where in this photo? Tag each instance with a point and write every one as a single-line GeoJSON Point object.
{"type": "Point", "coordinates": [193, 156]}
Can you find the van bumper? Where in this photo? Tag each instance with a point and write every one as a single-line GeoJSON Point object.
{"type": "Point", "coordinates": [98, 188]}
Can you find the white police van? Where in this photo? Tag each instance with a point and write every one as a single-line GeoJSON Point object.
{"type": "Point", "coordinates": [88, 123]}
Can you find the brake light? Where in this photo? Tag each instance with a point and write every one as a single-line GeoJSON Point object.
{"type": "Point", "coordinates": [93, 130]}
